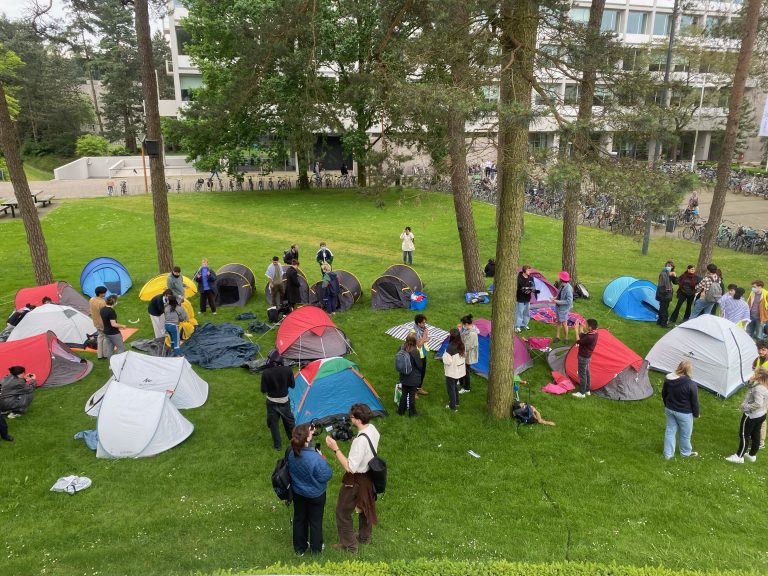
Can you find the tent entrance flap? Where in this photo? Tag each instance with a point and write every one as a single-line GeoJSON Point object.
{"type": "Point", "coordinates": [228, 294]}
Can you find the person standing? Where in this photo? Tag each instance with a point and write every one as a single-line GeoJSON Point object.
{"type": "Point", "coordinates": [709, 291]}
{"type": "Point", "coordinates": [455, 367]}
{"type": "Point", "coordinates": [156, 310]}
{"type": "Point", "coordinates": [175, 283]}
{"type": "Point", "coordinates": [667, 278]}
{"type": "Point", "coordinates": [525, 289]}
{"type": "Point", "coordinates": [95, 305]}
{"type": "Point", "coordinates": [469, 335]}
{"type": "Point", "coordinates": [564, 305]}
{"type": "Point", "coordinates": [681, 405]}
{"type": "Point", "coordinates": [410, 382]}
{"type": "Point", "coordinates": [686, 292]}
{"type": "Point", "coordinates": [408, 247]}
{"type": "Point", "coordinates": [174, 315]}
{"type": "Point", "coordinates": [276, 379]}
{"type": "Point", "coordinates": [206, 286]}
{"type": "Point", "coordinates": [733, 307]}
{"type": "Point", "coordinates": [330, 286]}
{"type": "Point", "coordinates": [324, 256]}
{"type": "Point", "coordinates": [17, 391]}
{"type": "Point", "coordinates": [292, 284]}
{"type": "Point", "coordinates": [356, 492]}
{"type": "Point", "coordinates": [291, 254]}
{"type": "Point", "coordinates": [111, 328]}
{"type": "Point", "coordinates": [421, 331]}
{"type": "Point", "coordinates": [310, 473]}
{"type": "Point", "coordinates": [758, 309]}
{"type": "Point", "coordinates": [753, 410]}
{"type": "Point", "coordinates": [274, 276]}
{"type": "Point", "coordinates": [110, 187]}
{"type": "Point", "coordinates": [761, 362]}
{"type": "Point", "coordinates": [586, 345]}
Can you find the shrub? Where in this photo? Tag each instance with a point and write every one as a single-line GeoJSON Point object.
{"type": "Point", "coordinates": [118, 150]}
{"type": "Point", "coordinates": [92, 145]}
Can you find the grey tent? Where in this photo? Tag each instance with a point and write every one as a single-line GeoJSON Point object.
{"type": "Point", "coordinates": [349, 294]}
{"type": "Point", "coordinates": [304, 290]}
{"type": "Point", "coordinates": [393, 289]}
{"type": "Point", "coordinates": [234, 285]}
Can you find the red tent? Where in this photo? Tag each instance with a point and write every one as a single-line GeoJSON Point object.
{"type": "Point", "coordinates": [617, 371]}
{"type": "Point", "coordinates": [46, 357]}
{"type": "Point", "coordinates": [59, 293]}
{"type": "Point", "coordinates": [308, 333]}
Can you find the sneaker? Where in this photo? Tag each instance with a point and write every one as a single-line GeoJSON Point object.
{"type": "Point", "coordinates": [691, 455]}
{"type": "Point", "coordinates": [578, 395]}
{"type": "Point", "coordinates": [735, 459]}
{"type": "Point", "coordinates": [555, 340]}
{"type": "Point", "coordinates": [750, 458]}
{"type": "Point", "coordinates": [762, 445]}
{"type": "Point", "coordinates": [214, 313]}
{"type": "Point", "coordinates": [13, 415]}
{"type": "Point", "coordinates": [518, 330]}
{"type": "Point", "coordinates": [588, 393]}
{"type": "Point", "coordinates": [526, 327]}
{"type": "Point", "coordinates": [422, 391]}
{"type": "Point", "coordinates": [8, 438]}
{"type": "Point", "coordinates": [464, 391]}
{"type": "Point", "coordinates": [449, 407]}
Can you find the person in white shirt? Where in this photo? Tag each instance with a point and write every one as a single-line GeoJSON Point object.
{"type": "Point", "coordinates": [408, 246]}
{"type": "Point", "coordinates": [356, 491]}
{"type": "Point", "coordinates": [274, 274]}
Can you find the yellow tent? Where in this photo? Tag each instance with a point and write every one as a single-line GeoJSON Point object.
{"type": "Point", "coordinates": [158, 284]}
{"type": "Point", "coordinates": [185, 328]}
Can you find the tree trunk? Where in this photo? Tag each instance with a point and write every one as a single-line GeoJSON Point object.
{"type": "Point", "coordinates": [96, 109]}
{"type": "Point", "coordinates": [519, 25]}
{"type": "Point", "coordinates": [38, 250]}
{"type": "Point", "coordinates": [362, 175]}
{"type": "Point", "coordinates": [750, 22]}
{"type": "Point", "coordinates": [302, 159]}
{"type": "Point", "coordinates": [582, 142]}
{"type": "Point", "coordinates": [152, 111]}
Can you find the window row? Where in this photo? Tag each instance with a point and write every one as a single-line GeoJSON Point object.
{"type": "Point", "coordinates": [639, 22]}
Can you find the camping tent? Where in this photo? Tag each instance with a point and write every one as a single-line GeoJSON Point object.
{"type": "Point", "coordinates": [59, 293]}
{"type": "Point", "coordinates": [326, 389]}
{"type": "Point", "coordinates": [349, 294]}
{"type": "Point", "coordinates": [393, 289]}
{"type": "Point", "coordinates": [617, 372]}
{"type": "Point", "coordinates": [50, 360]}
{"type": "Point", "coordinates": [173, 376]}
{"type": "Point", "coordinates": [134, 423]}
{"type": "Point", "coordinates": [158, 284]}
{"type": "Point", "coordinates": [547, 291]}
{"type": "Point", "coordinates": [632, 299]}
{"type": "Point", "coordinates": [234, 285]}
{"type": "Point", "coordinates": [721, 353]}
{"type": "Point", "coordinates": [107, 272]}
{"type": "Point", "coordinates": [304, 294]}
{"type": "Point", "coordinates": [69, 325]}
{"type": "Point", "coordinates": [308, 333]}
{"type": "Point", "coordinates": [522, 358]}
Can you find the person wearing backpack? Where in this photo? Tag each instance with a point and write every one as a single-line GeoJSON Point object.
{"type": "Point", "coordinates": [310, 473]}
{"type": "Point", "coordinates": [406, 362]}
{"type": "Point", "coordinates": [709, 291]}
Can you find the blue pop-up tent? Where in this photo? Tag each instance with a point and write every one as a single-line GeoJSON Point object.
{"type": "Point", "coordinates": [632, 299]}
{"type": "Point", "coordinates": [108, 272]}
{"type": "Point", "coordinates": [326, 389]}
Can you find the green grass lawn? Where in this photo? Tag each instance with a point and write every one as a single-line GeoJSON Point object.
{"type": "Point", "coordinates": [595, 488]}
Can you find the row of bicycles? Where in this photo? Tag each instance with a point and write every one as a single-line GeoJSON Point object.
{"type": "Point", "coordinates": [729, 235]}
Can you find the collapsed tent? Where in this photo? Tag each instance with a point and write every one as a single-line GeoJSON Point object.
{"type": "Point", "coordinates": [50, 360]}
{"type": "Point", "coordinates": [326, 389]}
{"type": "Point", "coordinates": [522, 358]}
{"type": "Point", "coordinates": [173, 376]}
{"type": "Point", "coordinates": [59, 293]}
{"type": "Point", "coordinates": [308, 333]}
{"type": "Point", "coordinates": [134, 423]}
{"type": "Point", "coordinates": [69, 325]}
{"type": "Point", "coordinates": [393, 289]}
{"type": "Point", "coordinates": [305, 297]}
{"type": "Point", "coordinates": [632, 299]}
{"type": "Point", "coordinates": [107, 272]}
{"type": "Point", "coordinates": [218, 346]}
{"type": "Point", "coordinates": [617, 372]}
{"type": "Point", "coordinates": [721, 353]}
{"type": "Point", "coordinates": [547, 293]}
{"type": "Point", "coordinates": [159, 283]}
{"type": "Point", "coordinates": [349, 293]}
{"type": "Point", "coordinates": [234, 285]}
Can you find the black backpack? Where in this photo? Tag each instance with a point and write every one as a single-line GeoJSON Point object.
{"type": "Point", "coordinates": [281, 480]}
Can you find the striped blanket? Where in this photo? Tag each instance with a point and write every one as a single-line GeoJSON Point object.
{"type": "Point", "coordinates": [436, 335]}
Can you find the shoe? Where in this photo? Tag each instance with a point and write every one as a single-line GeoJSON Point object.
{"type": "Point", "coordinates": [750, 458]}
{"type": "Point", "coordinates": [343, 548]}
{"type": "Point", "coordinates": [13, 415]}
{"type": "Point", "coordinates": [422, 391]}
{"type": "Point", "coordinates": [526, 327]}
{"type": "Point", "coordinates": [554, 340]}
{"type": "Point", "coordinates": [588, 393]}
{"type": "Point", "coordinates": [735, 459]}
{"type": "Point", "coordinates": [518, 330]}
{"type": "Point", "coordinates": [454, 409]}
{"type": "Point", "coordinates": [691, 455]}
{"type": "Point", "coordinates": [8, 438]}
{"type": "Point", "coordinates": [464, 391]}
{"type": "Point", "coordinates": [214, 313]}
{"type": "Point", "coordinates": [762, 445]}
{"type": "Point", "coordinates": [578, 395]}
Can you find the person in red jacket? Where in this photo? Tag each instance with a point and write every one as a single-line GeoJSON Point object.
{"type": "Point", "coordinates": [586, 344]}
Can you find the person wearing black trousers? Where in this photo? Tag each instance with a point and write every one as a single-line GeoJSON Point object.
{"type": "Point", "coordinates": [411, 381]}
{"type": "Point", "coordinates": [275, 381]}
{"type": "Point", "coordinates": [4, 430]}
{"type": "Point", "coordinates": [754, 408]}
{"type": "Point", "coordinates": [686, 292]}
{"type": "Point", "coordinates": [664, 292]}
{"type": "Point", "coordinates": [421, 331]}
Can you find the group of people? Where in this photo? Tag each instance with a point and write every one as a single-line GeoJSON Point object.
{"type": "Point", "coordinates": [563, 302]}
{"type": "Point", "coordinates": [285, 287]}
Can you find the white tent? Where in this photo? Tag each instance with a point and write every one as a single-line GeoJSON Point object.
{"type": "Point", "coordinates": [134, 423]}
{"type": "Point", "coordinates": [69, 325]}
{"type": "Point", "coordinates": [722, 354]}
{"type": "Point", "coordinates": [173, 376]}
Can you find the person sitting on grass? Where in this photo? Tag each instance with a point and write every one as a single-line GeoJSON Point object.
{"type": "Point", "coordinates": [528, 414]}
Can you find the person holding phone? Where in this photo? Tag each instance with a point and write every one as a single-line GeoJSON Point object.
{"type": "Point", "coordinates": [407, 246]}
{"type": "Point", "coordinates": [17, 391]}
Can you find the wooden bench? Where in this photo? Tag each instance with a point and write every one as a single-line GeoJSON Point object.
{"type": "Point", "coordinates": [11, 205]}
{"type": "Point", "coordinates": [44, 201]}
{"type": "Point", "coordinates": [4, 209]}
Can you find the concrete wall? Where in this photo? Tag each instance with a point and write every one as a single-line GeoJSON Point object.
{"type": "Point", "coordinates": [115, 167]}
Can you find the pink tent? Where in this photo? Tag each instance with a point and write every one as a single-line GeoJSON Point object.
{"type": "Point", "coordinates": [523, 359]}
{"type": "Point", "coordinates": [547, 291]}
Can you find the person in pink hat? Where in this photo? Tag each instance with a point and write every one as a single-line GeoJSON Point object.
{"type": "Point", "coordinates": [563, 305]}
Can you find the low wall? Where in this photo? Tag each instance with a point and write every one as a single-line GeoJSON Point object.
{"type": "Point", "coordinates": [115, 167]}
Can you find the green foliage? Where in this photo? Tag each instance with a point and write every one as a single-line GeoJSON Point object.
{"type": "Point", "coordinates": [116, 150]}
{"type": "Point", "coordinates": [92, 145]}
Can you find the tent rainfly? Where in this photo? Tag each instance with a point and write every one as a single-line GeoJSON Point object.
{"type": "Point", "coordinates": [158, 284]}
{"type": "Point", "coordinates": [305, 297]}
{"type": "Point", "coordinates": [234, 285]}
{"type": "Point", "coordinates": [547, 293]}
{"type": "Point", "coordinates": [393, 289]}
{"type": "Point", "coordinates": [349, 294]}
{"type": "Point", "coordinates": [49, 359]}
{"type": "Point", "coordinates": [59, 293]}
{"type": "Point", "coordinates": [69, 325]}
{"type": "Point", "coordinates": [308, 333]}
{"type": "Point", "coordinates": [632, 299]}
{"type": "Point", "coordinates": [107, 272]}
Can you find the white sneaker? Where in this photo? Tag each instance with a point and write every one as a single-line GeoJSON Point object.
{"type": "Point", "coordinates": [750, 458]}
{"type": "Point", "coordinates": [578, 395]}
{"type": "Point", "coordinates": [588, 393]}
{"type": "Point", "coordinates": [735, 459]}
{"type": "Point", "coordinates": [12, 415]}
{"type": "Point", "coordinates": [518, 330]}
{"type": "Point", "coordinates": [526, 327]}
{"type": "Point", "coordinates": [464, 391]}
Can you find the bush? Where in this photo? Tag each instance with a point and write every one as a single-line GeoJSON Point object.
{"type": "Point", "coordinates": [91, 145]}
{"type": "Point", "coordinates": [118, 150]}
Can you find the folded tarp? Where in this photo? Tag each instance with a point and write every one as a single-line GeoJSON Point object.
{"type": "Point", "coordinates": [219, 346]}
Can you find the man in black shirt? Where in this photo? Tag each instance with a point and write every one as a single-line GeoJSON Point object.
{"type": "Point", "coordinates": [111, 328]}
{"type": "Point", "coordinates": [525, 287]}
{"type": "Point", "coordinates": [586, 344]}
{"type": "Point", "coordinates": [275, 381]}
{"type": "Point", "coordinates": [156, 310]}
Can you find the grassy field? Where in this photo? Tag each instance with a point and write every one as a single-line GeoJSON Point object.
{"type": "Point", "coordinates": [593, 489]}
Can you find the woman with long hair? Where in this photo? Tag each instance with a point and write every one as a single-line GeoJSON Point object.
{"type": "Point", "coordinates": [411, 381]}
{"type": "Point", "coordinates": [174, 315]}
{"type": "Point", "coordinates": [455, 367]}
{"type": "Point", "coordinates": [681, 405]}
{"type": "Point", "coordinates": [753, 410]}
{"type": "Point", "coordinates": [469, 335]}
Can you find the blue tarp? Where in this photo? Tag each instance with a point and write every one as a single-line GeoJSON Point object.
{"type": "Point", "coordinates": [632, 299]}
{"type": "Point", "coordinates": [218, 346]}
{"type": "Point", "coordinates": [482, 365]}
{"type": "Point", "coordinates": [108, 272]}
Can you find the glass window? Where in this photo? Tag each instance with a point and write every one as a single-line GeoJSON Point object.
{"type": "Point", "coordinates": [491, 93]}
{"type": "Point", "coordinates": [661, 23]}
{"type": "Point", "coordinates": [714, 24]}
{"type": "Point", "coordinates": [630, 59]}
{"type": "Point", "coordinates": [610, 21]}
{"type": "Point", "coordinates": [571, 94]}
{"type": "Point", "coordinates": [688, 23]}
{"type": "Point", "coordinates": [182, 39]}
{"type": "Point", "coordinates": [658, 63]}
{"type": "Point", "coordinates": [537, 141]}
{"type": "Point", "coordinates": [580, 15]}
{"type": "Point", "coordinates": [637, 22]}
{"type": "Point", "coordinates": [602, 96]}
{"type": "Point", "coordinates": [552, 91]}
{"type": "Point", "coordinates": [680, 64]}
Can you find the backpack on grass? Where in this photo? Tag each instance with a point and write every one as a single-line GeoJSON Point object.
{"type": "Point", "coordinates": [403, 362]}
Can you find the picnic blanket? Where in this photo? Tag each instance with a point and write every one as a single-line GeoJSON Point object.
{"type": "Point", "coordinates": [436, 335]}
{"type": "Point", "coordinates": [547, 315]}
{"type": "Point", "coordinates": [125, 332]}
